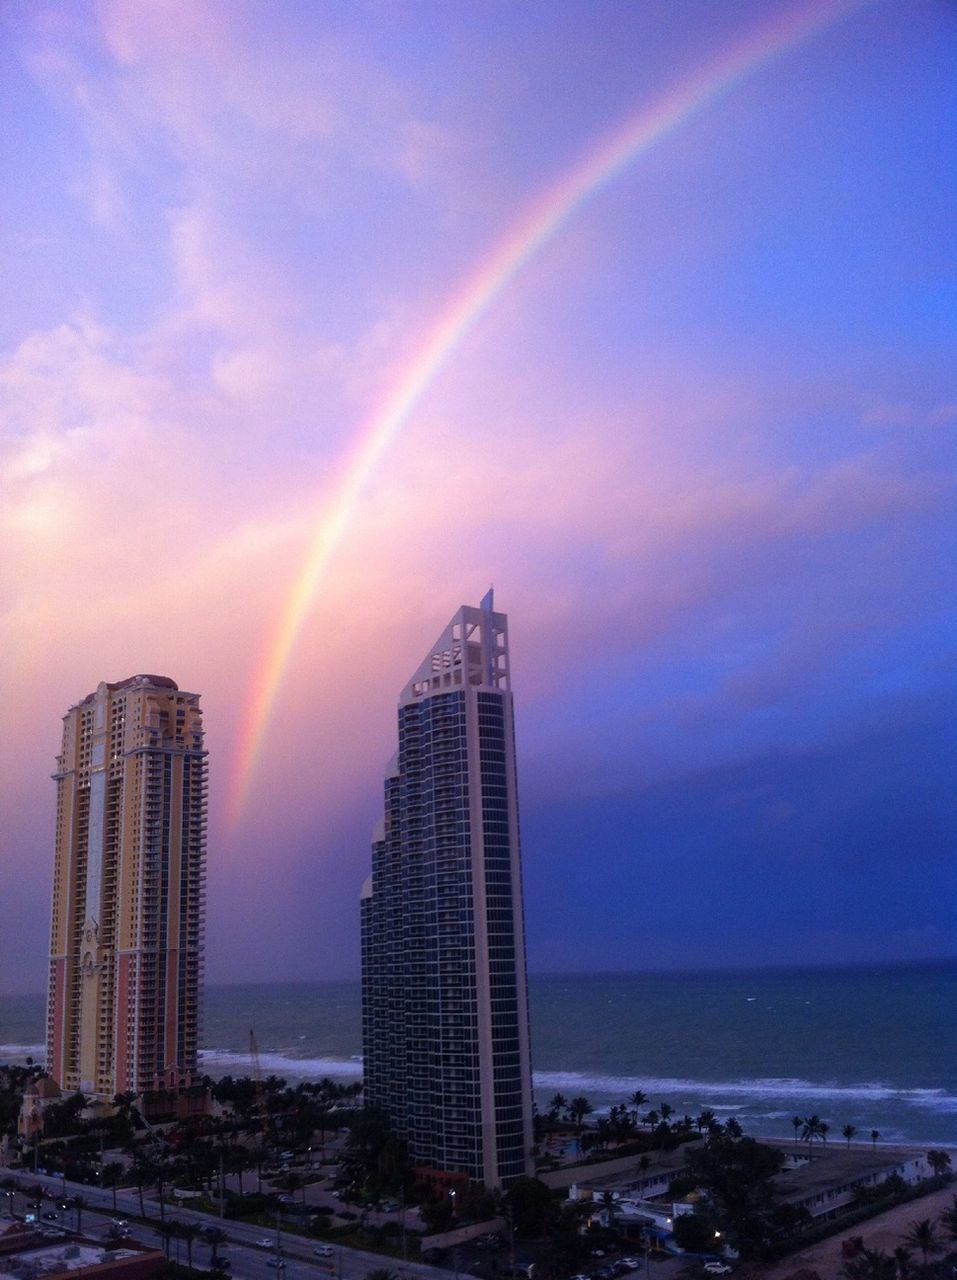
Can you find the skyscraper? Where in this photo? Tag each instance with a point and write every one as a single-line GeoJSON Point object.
{"type": "Point", "coordinates": [444, 1004]}
{"type": "Point", "coordinates": [128, 890]}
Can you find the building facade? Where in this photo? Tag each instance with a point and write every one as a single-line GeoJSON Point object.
{"type": "Point", "coordinates": [128, 890]}
{"type": "Point", "coordinates": [444, 1002]}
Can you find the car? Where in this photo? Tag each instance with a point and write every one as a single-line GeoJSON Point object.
{"type": "Point", "coordinates": [323, 1251]}
{"type": "Point", "coordinates": [51, 1215]}
{"type": "Point", "coordinates": [266, 1243]}
{"type": "Point", "coordinates": [389, 1206]}
{"type": "Point", "coordinates": [119, 1222]}
{"type": "Point", "coordinates": [717, 1268]}
{"type": "Point", "coordinates": [630, 1264]}
{"type": "Point", "coordinates": [278, 1263]}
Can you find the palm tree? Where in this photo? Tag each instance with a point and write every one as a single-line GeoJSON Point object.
{"type": "Point", "coordinates": [733, 1128]}
{"type": "Point", "coordinates": [141, 1170]}
{"type": "Point", "coordinates": [939, 1161]}
{"type": "Point", "coordinates": [948, 1220]}
{"type": "Point", "coordinates": [796, 1121]}
{"type": "Point", "coordinates": [824, 1129]}
{"type": "Point", "coordinates": [875, 1134]}
{"type": "Point", "coordinates": [637, 1100]}
{"type": "Point", "coordinates": [578, 1109]}
{"type": "Point", "coordinates": [923, 1236]}
{"type": "Point", "coordinates": [110, 1177]}
{"type": "Point", "coordinates": [188, 1231]}
{"type": "Point", "coordinates": [903, 1257]}
{"type": "Point", "coordinates": [610, 1206]}
{"type": "Point", "coordinates": [871, 1264]}
{"type": "Point", "coordinates": [811, 1130]}
{"type": "Point", "coordinates": [215, 1236]}
{"type": "Point", "coordinates": [705, 1120]}
{"type": "Point", "coordinates": [167, 1230]}
{"type": "Point", "coordinates": [848, 1132]}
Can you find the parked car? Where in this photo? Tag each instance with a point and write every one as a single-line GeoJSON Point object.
{"type": "Point", "coordinates": [324, 1251]}
{"type": "Point", "coordinates": [717, 1268]}
{"type": "Point", "coordinates": [265, 1243]}
{"type": "Point", "coordinates": [278, 1263]}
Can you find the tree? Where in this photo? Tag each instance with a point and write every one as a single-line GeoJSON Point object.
{"type": "Point", "coordinates": [875, 1135]}
{"type": "Point", "coordinates": [871, 1264]}
{"type": "Point", "coordinates": [903, 1257]}
{"type": "Point", "coordinates": [531, 1206]}
{"type": "Point", "coordinates": [694, 1232]}
{"type": "Point", "coordinates": [813, 1129]}
{"type": "Point", "coordinates": [215, 1236]}
{"type": "Point", "coordinates": [948, 1220]}
{"type": "Point", "coordinates": [738, 1175]}
{"type": "Point", "coordinates": [939, 1161]}
{"type": "Point", "coordinates": [848, 1133]}
{"type": "Point", "coordinates": [557, 1105]}
{"type": "Point", "coordinates": [188, 1231]}
{"type": "Point", "coordinates": [110, 1177]}
{"type": "Point", "coordinates": [637, 1100]}
{"type": "Point", "coordinates": [733, 1128]}
{"type": "Point", "coordinates": [167, 1230]}
{"type": "Point", "coordinates": [923, 1236]}
{"type": "Point", "coordinates": [578, 1109]}
{"type": "Point", "coordinates": [797, 1122]}
{"type": "Point", "coordinates": [609, 1204]}
{"type": "Point", "coordinates": [436, 1213]}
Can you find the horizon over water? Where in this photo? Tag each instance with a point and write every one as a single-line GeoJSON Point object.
{"type": "Point", "coordinates": [870, 1045]}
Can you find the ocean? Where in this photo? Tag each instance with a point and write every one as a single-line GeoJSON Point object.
{"type": "Point", "coordinates": [872, 1047]}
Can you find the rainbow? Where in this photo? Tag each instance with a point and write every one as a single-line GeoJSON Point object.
{"type": "Point", "coordinates": [535, 228]}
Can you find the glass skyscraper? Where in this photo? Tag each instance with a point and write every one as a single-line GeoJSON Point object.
{"type": "Point", "coordinates": [444, 1003]}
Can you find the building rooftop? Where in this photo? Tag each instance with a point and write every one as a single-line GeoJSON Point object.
{"type": "Point", "coordinates": [34, 1261]}
{"type": "Point", "coordinates": [836, 1166]}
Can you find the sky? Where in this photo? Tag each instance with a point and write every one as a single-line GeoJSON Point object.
{"type": "Point", "coordinates": [317, 319]}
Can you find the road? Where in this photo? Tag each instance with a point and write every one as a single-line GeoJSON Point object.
{"type": "Point", "coordinates": [249, 1261]}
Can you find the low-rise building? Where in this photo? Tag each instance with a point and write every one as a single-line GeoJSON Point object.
{"type": "Point", "coordinates": [37, 1097]}
{"type": "Point", "coordinates": [26, 1255]}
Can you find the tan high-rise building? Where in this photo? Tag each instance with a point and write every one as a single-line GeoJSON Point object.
{"type": "Point", "coordinates": [128, 890]}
